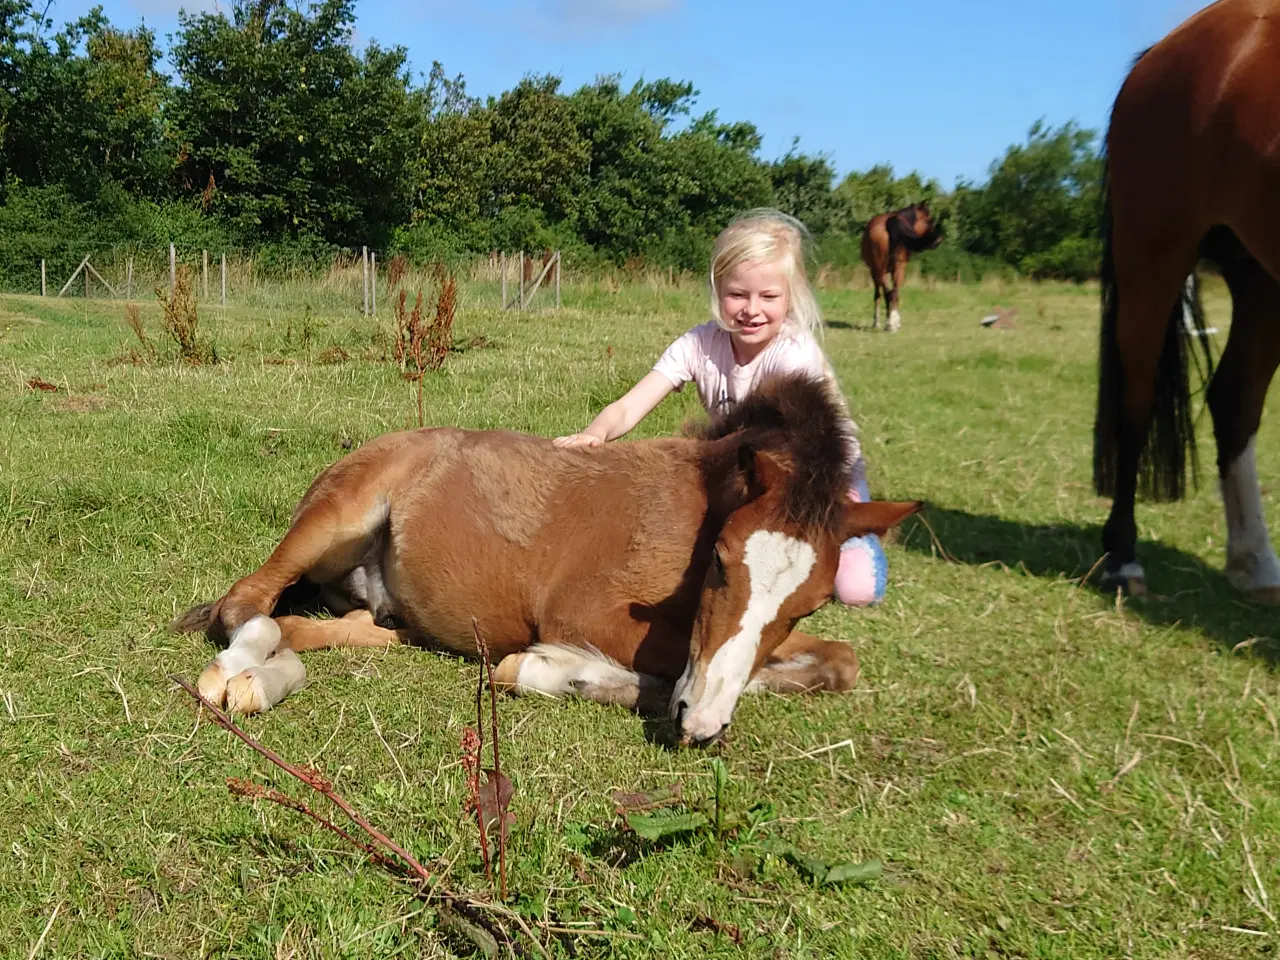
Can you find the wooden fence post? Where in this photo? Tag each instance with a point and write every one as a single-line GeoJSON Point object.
{"type": "Point", "coordinates": [86, 282]}
{"type": "Point", "coordinates": [205, 272]}
{"type": "Point", "coordinates": [520, 280]}
{"type": "Point", "coordinates": [71, 279]}
{"type": "Point", "coordinates": [224, 278]}
{"type": "Point", "coordinates": [173, 270]}
{"type": "Point", "coordinates": [42, 278]}
{"type": "Point", "coordinates": [364, 270]}
{"type": "Point", "coordinates": [502, 261]}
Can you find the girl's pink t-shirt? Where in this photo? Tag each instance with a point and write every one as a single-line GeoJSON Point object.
{"type": "Point", "coordinates": [704, 356]}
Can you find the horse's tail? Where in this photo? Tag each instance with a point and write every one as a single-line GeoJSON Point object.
{"type": "Point", "coordinates": [199, 619]}
{"type": "Point", "coordinates": [1162, 462]}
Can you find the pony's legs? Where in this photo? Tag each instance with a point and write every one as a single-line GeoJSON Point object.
{"type": "Point", "coordinates": [899, 275]}
{"type": "Point", "coordinates": [1236, 397]}
{"type": "Point", "coordinates": [1148, 284]}
{"type": "Point", "coordinates": [875, 303]}
{"type": "Point", "coordinates": [330, 536]}
{"type": "Point", "coordinates": [261, 687]}
{"type": "Point", "coordinates": [803, 663]}
{"type": "Point", "coordinates": [559, 670]}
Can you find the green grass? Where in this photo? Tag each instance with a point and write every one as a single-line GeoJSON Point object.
{"type": "Point", "coordinates": [997, 703]}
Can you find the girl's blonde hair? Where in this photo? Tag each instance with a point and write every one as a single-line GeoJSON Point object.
{"type": "Point", "coordinates": [772, 237]}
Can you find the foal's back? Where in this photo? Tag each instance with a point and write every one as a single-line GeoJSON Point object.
{"type": "Point", "coordinates": [508, 525]}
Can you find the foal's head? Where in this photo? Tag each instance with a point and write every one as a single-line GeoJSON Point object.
{"type": "Point", "coordinates": [776, 554]}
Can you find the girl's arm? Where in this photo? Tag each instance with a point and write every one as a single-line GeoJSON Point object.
{"type": "Point", "coordinates": [619, 417]}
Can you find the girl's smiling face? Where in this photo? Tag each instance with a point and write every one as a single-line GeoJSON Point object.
{"type": "Point", "coordinates": [754, 305]}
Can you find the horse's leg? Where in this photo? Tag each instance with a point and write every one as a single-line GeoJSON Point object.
{"type": "Point", "coordinates": [803, 662]}
{"type": "Point", "coordinates": [1236, 397]}
{"type": "Point", "coordinates": [330, 536]}
{"type": "Point", "coordinates": [875, 303]}
{"type": "Point", "coordinates": [899, 275]}
{"type": "Point", "coordinates": [1149, 280]}
{"type": "Point", "coordinates": [559, 670]}
{"type": "Point", "coordinates": [261, 687]}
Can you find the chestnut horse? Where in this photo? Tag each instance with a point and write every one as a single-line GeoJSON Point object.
{"type": "Point", "coordinates": [1193, 171]}
{"type": "Point", "coordinates": [654, 574]}
{"type": "Point", "coordinates": [887, 244]}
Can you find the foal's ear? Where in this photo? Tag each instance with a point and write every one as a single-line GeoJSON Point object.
{"type": "Point", "coordinates": [758, 471]}
{"type": "Point", "coordinates": [876, 516]}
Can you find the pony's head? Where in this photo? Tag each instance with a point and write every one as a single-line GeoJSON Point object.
{"type": "Point", "coordinates": [916, 228]}
{"type": "Point", "coordinates": [776, 554]}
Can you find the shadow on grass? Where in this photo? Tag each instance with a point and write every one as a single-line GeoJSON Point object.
{"type": "Point", "coordinates": [1185, 591]}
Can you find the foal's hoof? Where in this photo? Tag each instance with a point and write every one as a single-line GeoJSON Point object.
{"type": "Point", "coordinates": [245, 693]}
{"type": "Point", "coordinates": [841, 673]}
{"type": "Point", "coordinates": [213, 683]}
{"type": "Point", "coordinates": [507, 673]}
{"type": "Point", "coordinates": [1267, 595]}
{"type": "Point", "coordinates": [262, 687]}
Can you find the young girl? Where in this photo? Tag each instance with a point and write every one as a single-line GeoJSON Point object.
{"type": "Point", "coordinates": [765, 319]}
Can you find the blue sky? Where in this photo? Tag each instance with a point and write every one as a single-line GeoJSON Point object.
{"type": "Point", "coordinates": [939, 86]}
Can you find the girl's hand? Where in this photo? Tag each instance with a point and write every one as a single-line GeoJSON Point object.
{"type": "Point", "coordinates": [577, 440]}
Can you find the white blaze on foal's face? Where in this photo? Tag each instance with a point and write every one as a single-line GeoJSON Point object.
{"type": "Point", "coordinates": [776, 565]}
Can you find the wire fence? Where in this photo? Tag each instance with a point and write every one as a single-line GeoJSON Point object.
{"type": "Point", "coordinates": [367, 281]}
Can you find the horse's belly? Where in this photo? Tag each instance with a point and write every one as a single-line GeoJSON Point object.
{"type": "Point", "coordinates": [439, 583]}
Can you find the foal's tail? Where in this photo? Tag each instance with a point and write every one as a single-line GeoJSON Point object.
{"type": "Point", "coordinates": [1162, 461]}
{"type": "Point", "coordinates": [199, 619]}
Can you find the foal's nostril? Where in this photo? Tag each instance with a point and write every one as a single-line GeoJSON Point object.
{"type": "Point", "coordinates": [681, 708]}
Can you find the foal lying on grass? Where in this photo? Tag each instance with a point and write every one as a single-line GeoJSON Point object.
{"type": "Point", "coordinates": [659, 573]}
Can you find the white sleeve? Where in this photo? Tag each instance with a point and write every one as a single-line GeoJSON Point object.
{"type": "Point", "coordinates": [677, 361]}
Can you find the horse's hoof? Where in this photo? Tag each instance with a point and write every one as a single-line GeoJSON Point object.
{"type": "Point", "coordinates": [213, 684]}
{"type": "Point", "coordinates": [507, 673]}
{"type": "Point", "coordinates": [245, 693]}
{"type": "Point", "coordinates": [1129, 585]}
{"type": "Point", "coordinates": [1267, 595]}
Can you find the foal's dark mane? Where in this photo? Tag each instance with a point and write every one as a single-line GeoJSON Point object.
{"type": "Point", "coordinates": [803, 419]}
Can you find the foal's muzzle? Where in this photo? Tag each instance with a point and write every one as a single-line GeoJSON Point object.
{"type": "Point", "coordinates": [678, 711]}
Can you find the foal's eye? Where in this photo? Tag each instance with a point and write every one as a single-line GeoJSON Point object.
{"type": "Point", "coordinates": [719, 564]}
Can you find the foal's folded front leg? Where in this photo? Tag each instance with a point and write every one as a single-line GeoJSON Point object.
{"type": "Point", "coordinates": [804, 663]}
{"type": "Point", "coordinates": [559, 670]}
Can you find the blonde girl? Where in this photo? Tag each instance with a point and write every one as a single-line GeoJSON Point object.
{"type": "Point", "coordinates": [765, 320]}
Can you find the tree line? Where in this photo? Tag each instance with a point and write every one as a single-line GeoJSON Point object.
{"type": "Point", "coordinates": [274, 133]}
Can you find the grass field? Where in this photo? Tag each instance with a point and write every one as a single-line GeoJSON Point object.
{"type": "Point", "coordinates": [1044, 771]}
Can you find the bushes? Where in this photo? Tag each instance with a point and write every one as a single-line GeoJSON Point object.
{"type": "Point", "coordinates": [1073, 258]}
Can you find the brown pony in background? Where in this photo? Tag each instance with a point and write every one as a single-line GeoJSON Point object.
{"type": "Point", "coordinates": [659, 573]}
{"type": "Point", "coordinates": [1193, 171]}
{"type": "Point", "coordinates": [887, 244]}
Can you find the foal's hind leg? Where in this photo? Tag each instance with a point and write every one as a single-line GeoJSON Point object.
{"type": "Point", "coordinates": [803, 663]}
{"type": "Point", "coordinates": [1236, 396]}
{"type": "Point", "coordinates": [559, 670]}
{"type": "Point", "coordinates": [261, 687]}
{"type": "Point", "coordinates": [330, 536]}
{"type": "Point", "coordinates": [875, 304]}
